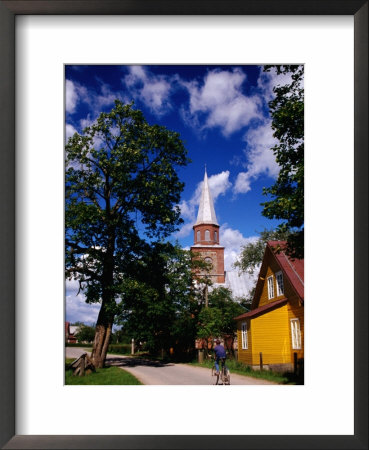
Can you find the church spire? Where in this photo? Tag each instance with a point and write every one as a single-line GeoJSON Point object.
{"type": "Point", "coordinates": [206, 212]}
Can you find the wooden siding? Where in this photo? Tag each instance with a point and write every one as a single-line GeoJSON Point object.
{"type": "Point", "coordinates": [271, 337]}
{"type": "Point", "coordinates": [270, 334]}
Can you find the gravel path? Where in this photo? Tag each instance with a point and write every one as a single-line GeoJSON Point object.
{"type": "Point", "coordinates": [157, 373]}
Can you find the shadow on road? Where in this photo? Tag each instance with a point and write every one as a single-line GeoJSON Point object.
{"type": "Point", "coordinates": [134, 362]}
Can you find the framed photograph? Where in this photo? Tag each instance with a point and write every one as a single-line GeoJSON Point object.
{"type": "Point", "coordinates": [154, 41]}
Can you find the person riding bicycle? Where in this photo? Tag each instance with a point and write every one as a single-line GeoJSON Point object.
{"type": "Point", "coordinates": [220, 353]}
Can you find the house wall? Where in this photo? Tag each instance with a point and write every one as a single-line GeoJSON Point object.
{"type": "Point", "coordinates": [271, 337]}
{"type": "Point", "coordinates": [270, 334]}
{"type": "Point", "coordinates": [267, 333]}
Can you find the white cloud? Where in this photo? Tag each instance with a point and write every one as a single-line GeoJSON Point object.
{"type": "Point", "coordinates": [232, 240]}
{"type": "Point", "coordinates": [153, 90]}
{"type": "Point", "coordinates": [76, 309]}
{"type": "Point", "coordinates": [185, 230]}
{"type": "Point", "coordinates": [221, 101]}
{"type": "Point", "coordinates": [268, 80]}
{"type": "Point", "coordinates": [218, 184]}
{"type": "Point", "coordinates": [71, 96]}
{"type": "Point", "coordinates": [260, 158]}
{"type": "Point", "coordinates": [69, 131]}
{"type": "Point", "coordinates": [106, 97]}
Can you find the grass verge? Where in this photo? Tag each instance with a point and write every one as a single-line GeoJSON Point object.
{"type": "Point", "coordinates": [242, 369]}
{"type": "Point", "coordinates": [106, 376]}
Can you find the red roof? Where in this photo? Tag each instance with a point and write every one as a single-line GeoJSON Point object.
{"type": "Point", "coordinates": [292, 267]}
{"type": "Point", "coordinates": [261, 309]}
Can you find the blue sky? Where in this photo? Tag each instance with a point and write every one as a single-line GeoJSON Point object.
{"type": "Point", "coordinates": [221, 114]}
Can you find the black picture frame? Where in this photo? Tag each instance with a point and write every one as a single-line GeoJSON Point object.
{"type": "Point", "coordinates": [8, 11]}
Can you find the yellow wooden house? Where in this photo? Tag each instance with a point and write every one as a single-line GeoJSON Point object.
{"type": "Point", "coordinates": [271, 334]}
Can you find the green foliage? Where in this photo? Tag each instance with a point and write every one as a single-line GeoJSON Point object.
{"type": "Point", "coordinates": [121, 192]}
{"type": "Point", "coordinates": [120, 337]}
{"type": "Point", "coordinates": [252, 253]}
{"type": "Point", "coordinates": [287, 193]}
{"type": "Point", "coordinates": [85, 333]}
{"type": "Point", "coordinates": [121, 349]}
{"type": "Point", "coordinates": [239, 368]}
{"type": "Point", "coordinates": [218, 318]}
{"type": "Point", "coordinates": [105, 376]}
{"type": "Point", "coordinates": [159, 305]}
{"type": "Point", "coordinates": [210, 323]}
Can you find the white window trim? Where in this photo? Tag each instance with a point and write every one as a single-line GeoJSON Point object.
{"type": "Point", "coordinates": [295, 337]}
{"type": "Point", "coordinates": [244, 340]}
{"type": "Point", "coordinates": [207, 235]}
{"type": "Point", "coordinates": [279, 291]}
{"type": "Point", "coordinates": [198, 236]}
{"type": "Point", "coordinates": [270, 287]}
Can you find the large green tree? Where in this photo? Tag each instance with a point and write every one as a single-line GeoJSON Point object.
{"type": "Point", "coordinates": [218, 318]}
{"type": "Point", "coordinates": [121, 191]}
{"type": "Point", "coordinates": [287, 193]}
{"type": "Point", "coordinates": [85, 333]}
{"type": "Point", "coordinates": [159, 307]}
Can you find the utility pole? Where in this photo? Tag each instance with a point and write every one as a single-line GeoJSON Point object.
{"type": "Point", "coordinates": [206, 296]}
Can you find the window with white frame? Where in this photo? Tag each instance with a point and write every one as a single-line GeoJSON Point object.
{"type": "Point", "coordinates": [198, 236]}
{"type": "Point", "coordinates": [207, 235]}
{"type": "Point", "coordinates": [270, 287]}
{"type": "Point", "coordinates": [295, 334]}
{"type": "Point", "coordinates": [280, 285]}
{"type": "Point", "coordinates": [244, 342]}
{"type": "Point", "coordinates": [215, 236]}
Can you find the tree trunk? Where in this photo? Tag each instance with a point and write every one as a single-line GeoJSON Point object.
{"type": "Point", "coordinates": [105, 320]}
{"type": "Point", "coordinates": [103, 333]}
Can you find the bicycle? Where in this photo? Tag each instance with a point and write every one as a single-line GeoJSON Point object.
{"type": "Point", "coordinates": [224, 374]}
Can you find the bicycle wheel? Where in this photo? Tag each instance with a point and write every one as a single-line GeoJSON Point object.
{"type": "Point", "coordinates": [228, 377]}
{"type": "Point", "coordinates": [214, 374]}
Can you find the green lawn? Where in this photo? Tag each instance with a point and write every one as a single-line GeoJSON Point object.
{"type": "Point", "coordinates": [241, 369]}
{"type": "Point", "coordinates": [106, 376]}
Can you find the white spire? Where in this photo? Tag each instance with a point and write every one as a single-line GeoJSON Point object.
{"type": "Point", "coordinates": [206, 212]}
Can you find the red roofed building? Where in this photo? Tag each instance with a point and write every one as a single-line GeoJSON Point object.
{"type": "Point", "coordinates": [272, 332]}
{"type": "Point", "coordinates": [69, 334]}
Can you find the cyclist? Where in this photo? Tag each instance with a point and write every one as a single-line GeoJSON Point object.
{"type": "Point", "coordinates": [220, 353]}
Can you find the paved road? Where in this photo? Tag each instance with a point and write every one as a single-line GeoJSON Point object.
{"type": "Point", "coordinates": [156, 373]}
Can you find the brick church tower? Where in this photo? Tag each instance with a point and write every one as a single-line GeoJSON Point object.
{"type": "Point", "coordinates": [206, 235]}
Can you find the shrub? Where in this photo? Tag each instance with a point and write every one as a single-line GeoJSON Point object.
{"type": "Point", "coordinates": [123, 349]}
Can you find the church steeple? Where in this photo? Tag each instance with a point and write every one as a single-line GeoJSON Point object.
{"type": "Point", "coordinates": [206, 235]}
{"type": "Point", "coordinates": [206, 213]}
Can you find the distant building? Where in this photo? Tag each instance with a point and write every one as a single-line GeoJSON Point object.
{"type": "Point", "coordinates": [272, 332]}
{"type": "Point", "coordinates": [70, 331]}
